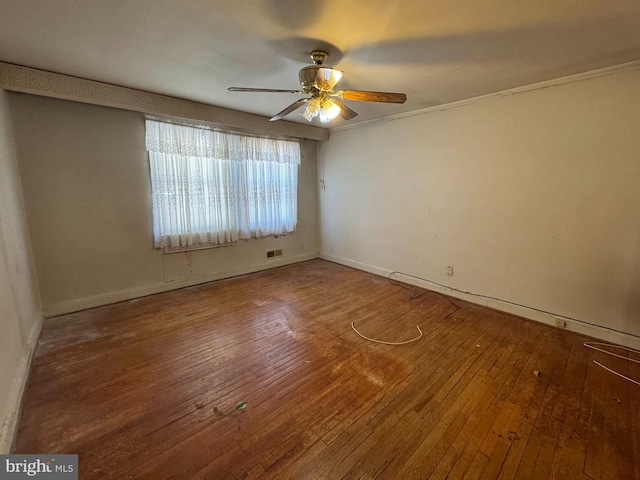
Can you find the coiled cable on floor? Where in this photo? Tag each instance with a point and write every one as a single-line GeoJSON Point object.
{"type": "Point", "coordinates": [596, 345]}
{"type": "Point", "coordinates": [388, 343]}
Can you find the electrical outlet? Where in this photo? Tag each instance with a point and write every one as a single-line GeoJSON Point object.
{"type": "Point", "coordinates": [450, 271]}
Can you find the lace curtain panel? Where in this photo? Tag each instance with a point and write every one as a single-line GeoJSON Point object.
{"type": "Point", "coordinates": [211, 188]}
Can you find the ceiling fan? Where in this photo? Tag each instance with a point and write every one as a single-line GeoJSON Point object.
{"type": "Point", "coordinates": [319, 81]}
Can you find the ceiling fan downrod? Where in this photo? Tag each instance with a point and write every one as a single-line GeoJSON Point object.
{"type": "Point", "coordinates": [319, 56]}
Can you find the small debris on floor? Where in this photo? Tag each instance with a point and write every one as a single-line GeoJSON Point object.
{"type": "Point", "coordinates": [477, 345]}
{"type": "Point", "coordinates": [617, 399]}
{"type": "Point", "coordinates": [199, 405]}
{"type": "Point", "coordinates": [365, 476]}
{"type": "Point", "coordinates": [241, 405]}
{"type": "Point", "coordinates": [513, 435]}
{"type": "Point", "coordinates": [536, 373]}
{"type": "Point", "coordinates": [218, 413]}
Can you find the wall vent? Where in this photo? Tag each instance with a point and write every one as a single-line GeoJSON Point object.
{"type": "Point", "coordinates": [274, 253]}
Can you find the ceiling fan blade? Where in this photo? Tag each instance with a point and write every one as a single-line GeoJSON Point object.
{"type": "Point", "coordinates": [263, 90]}
{"type": "Point", "coordinates": [294, 106]}
{"type": "Point", "coordinates": [345, 112]}
{"type": "Point", "coordinates": [361, 96]}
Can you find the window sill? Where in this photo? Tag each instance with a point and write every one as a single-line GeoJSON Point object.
{"type": "Point", "coordinates": [169, 251]}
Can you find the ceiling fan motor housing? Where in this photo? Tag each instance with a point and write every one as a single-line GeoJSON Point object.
{"type": "Point", "coordinates": [319, 77]}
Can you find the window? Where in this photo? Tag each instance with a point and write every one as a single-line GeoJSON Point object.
{"type": "Point", "coordinates": [211, 188]}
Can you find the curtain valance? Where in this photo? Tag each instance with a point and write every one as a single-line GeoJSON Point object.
{"type": "Point", "coordinates": [186, 141]}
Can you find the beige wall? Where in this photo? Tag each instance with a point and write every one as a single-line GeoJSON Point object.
{"type": "Point", "coordinates": [86, 187]}
{"type": "Point", "coordinates": [20, 316]}
{"type": "Point", "coordinates": [532, 198]}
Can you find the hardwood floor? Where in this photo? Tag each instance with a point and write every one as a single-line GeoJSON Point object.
{"type": "Point", "coordinates": [148, 388]}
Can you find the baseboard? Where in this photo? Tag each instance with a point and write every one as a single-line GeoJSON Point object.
{"type": "Point", "coordinates": [595, 331]}
{"type": "Point", "coordinates": [144, 290]}
{"type": "Point", "coordinates": [14, 403]}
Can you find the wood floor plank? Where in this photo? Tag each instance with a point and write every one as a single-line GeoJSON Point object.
{"type": "Point", "coordinates": [149, 388]}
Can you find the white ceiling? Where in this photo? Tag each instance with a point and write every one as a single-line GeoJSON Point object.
{"type": "Point", "coordinates": [435, 51]}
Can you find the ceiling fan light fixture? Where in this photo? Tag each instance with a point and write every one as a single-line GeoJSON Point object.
{"type": "Point", "coordinates": [313, 109]}
{"type": "Point", "coordinates": [325, 109]}
{"type": "Point", "coordinates": [329, 111]}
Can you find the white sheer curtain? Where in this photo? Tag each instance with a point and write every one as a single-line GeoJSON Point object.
{"type": "Point", "coordinates": [212, 188]}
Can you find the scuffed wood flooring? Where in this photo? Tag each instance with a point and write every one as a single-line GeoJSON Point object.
{"type": "Point", "coordinates": [148, 388]}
